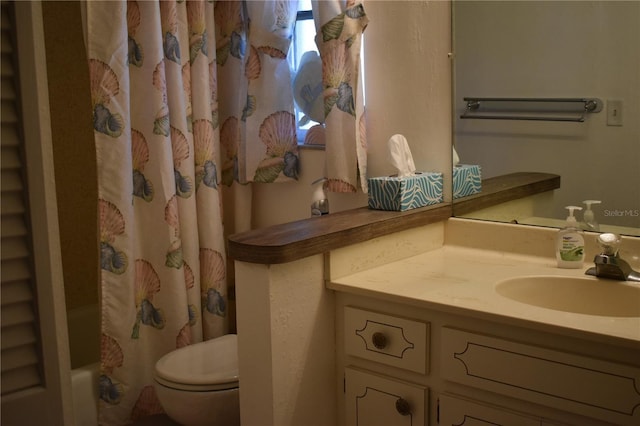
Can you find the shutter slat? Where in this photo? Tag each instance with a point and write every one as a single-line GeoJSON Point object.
{"type": "Point", "coordinates": [8, 89]}
{"type": "Point", "coordinates": [6, 23]}
{"type": "Point", "coordinates": [11, 180]}
{"type": "Point", "coordinates": [10, 159]}
{"type": "Point", "coordinates": [20, 335]}
{"type": "Point", "coordinates": [24, 378]}
{"type": "Point", "coordinates": [12, 204]}
{"type": "Point", "coordinates": [6, 68]}
{"type": "Point", "coordinates": [15, 270]}
{"type": "Point", "coordinates": [13, 226]}
{"type": "Point", "coordinates": [17, 314]}
{"type": "Point", "coordinates": [5, 42]}
{"type": "Point", "coordinates": [14, 249]}
{"type": "Point", "coordinates": [18, 357]}
{"type": "Point", "coordinates": [16, 292]}
{"type": "Point", "coordinates": [8, 112]}
{"type": "Point", "coordinates": [9, 136]}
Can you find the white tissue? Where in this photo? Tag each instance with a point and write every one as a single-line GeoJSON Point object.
{"type": "Point", "coordinates": [456, 158]}
{"type": "Point", "coordinates": [400, 155]}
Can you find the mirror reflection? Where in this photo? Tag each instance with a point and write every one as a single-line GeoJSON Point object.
{"type": "Point", "coordinates": [539, 50]}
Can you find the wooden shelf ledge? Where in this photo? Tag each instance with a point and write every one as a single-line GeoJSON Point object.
{"type": "Point", "coordinates": [296, 240]}
{"type": "Point", "coordinates": [307, 237]}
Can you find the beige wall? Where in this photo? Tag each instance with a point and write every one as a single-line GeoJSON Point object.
{"type": "Point", "coordinates": [74, 151]}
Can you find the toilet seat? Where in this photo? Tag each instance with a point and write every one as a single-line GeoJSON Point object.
{"type": "Point", "coordinates": [206, 366]}
{"type": "Point", "coordinates": [196, 388]}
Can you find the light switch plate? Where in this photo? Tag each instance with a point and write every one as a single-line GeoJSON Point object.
{"type": "Point", "coordinates": [614, 112]}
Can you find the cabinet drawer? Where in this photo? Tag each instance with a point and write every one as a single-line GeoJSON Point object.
{"type": "Point", "coordinates": [570, 382]}
{"type": "Point", "coordinates": [457, 411]}
{"type": "Point", "coordinates": [375, 400]}
{"type": "Point", "coordinates": [387, 339]}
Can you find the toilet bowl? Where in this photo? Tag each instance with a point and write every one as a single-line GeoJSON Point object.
{"type": "Point", "coordinates": [197, 385]}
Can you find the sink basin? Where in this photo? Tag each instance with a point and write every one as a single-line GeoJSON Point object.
{"type": "Point", "coordinates": [589, 296]}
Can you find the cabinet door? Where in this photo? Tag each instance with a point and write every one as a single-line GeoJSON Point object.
{"type": "Point", "coordinates": [374, 400]}
{"type": "Point", "coordinates": [457, 411]}
{"type": "Point", "coordinates": [570, 382]}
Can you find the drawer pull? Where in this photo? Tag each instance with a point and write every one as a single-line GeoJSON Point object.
{"type": "Point", "coordinates": [402, 407]}
{"type": "Point", "coordinates": [379, 340]}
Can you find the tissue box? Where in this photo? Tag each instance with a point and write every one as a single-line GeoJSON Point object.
{"type": "Point", "coordinates": [466, 180]}
{"type": "Point", "coordinates": [399, 194]}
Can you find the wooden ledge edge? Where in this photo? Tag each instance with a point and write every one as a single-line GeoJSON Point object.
{"type": "Point", "coordinates": [296, 240]}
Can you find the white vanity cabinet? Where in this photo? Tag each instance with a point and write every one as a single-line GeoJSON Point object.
{"type": "Point", "coordinates": [464, 368]}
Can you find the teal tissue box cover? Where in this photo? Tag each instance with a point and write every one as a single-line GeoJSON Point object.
{"type": "Point", "coordinates": [399, 194]}
{"type": "Point", "coordinates": [467, 180]}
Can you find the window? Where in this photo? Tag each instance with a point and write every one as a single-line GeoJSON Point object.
{"type": "Point", "coordinates": [306, 89]}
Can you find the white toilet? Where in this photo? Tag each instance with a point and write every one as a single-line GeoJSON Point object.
{"type": "Point", "coordinates": [197, 385]}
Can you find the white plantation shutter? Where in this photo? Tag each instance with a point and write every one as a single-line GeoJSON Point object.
{"type": "Point", "coordinates": [21, 356]}
{"type": "Point", "coordinates": [35, 382]}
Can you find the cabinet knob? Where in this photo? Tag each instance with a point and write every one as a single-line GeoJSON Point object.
{"type": "Point", "coordinates": [402, 407]}
{"type": "Point", "coordinates": [379, 340]}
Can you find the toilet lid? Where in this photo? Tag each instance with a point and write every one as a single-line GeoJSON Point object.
{"type": "Point", "coordinates": [212, 362]}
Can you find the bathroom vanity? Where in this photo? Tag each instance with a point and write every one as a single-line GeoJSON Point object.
{"type": "Point", "coordinates": [478, 370]}
{"type": "Point", "coordinates": [368, 317]}
{"type": "Point", "coordinates": [428, 340]}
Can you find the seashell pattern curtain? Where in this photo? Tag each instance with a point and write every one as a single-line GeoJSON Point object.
{"type": "Point", "coordinates": [162, 252]}
{"type": "Point", "coordinates": [257, 123]}
{"type": "Point", "coordinates": [339, 28]}
{"type": "Point", "coordinates": [187, 96]}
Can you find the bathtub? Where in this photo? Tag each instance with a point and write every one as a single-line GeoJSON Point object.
{"type": "Point", "coordinates": [84, 345]}
{"type": "Point", "coordinates": [84, 389]}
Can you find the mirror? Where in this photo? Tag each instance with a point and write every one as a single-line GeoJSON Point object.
{"type": "Point", "coordinates": [560, 49]}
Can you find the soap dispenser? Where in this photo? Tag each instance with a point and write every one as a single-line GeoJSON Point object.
{"type": "Point", "coordinates": [589, 219]}
{"type": "Point", "coordinates": [319, 200]}
{"type": "Point", "coordinates": [570, 243]}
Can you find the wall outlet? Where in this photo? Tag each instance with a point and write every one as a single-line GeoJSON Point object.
{"type": "Point", "coordinates": [614, 112]}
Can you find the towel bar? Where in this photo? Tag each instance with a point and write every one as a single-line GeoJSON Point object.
{"type": "Point", "coordinates": [537, 109]}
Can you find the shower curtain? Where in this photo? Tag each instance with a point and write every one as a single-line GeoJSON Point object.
{"type": "Point", "coordinates": [339, 28]}
{"type": "Point", "coordinates": [162, 251]}
{"type": "Point", "coordinates": [186, 96]}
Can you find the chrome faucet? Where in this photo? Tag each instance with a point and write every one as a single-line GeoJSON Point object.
{"type": "Point", "coordinates": [609, 264]}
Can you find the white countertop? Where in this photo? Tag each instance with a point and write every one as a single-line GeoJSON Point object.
{"type": "Point", "coordinates": [461, 280]}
